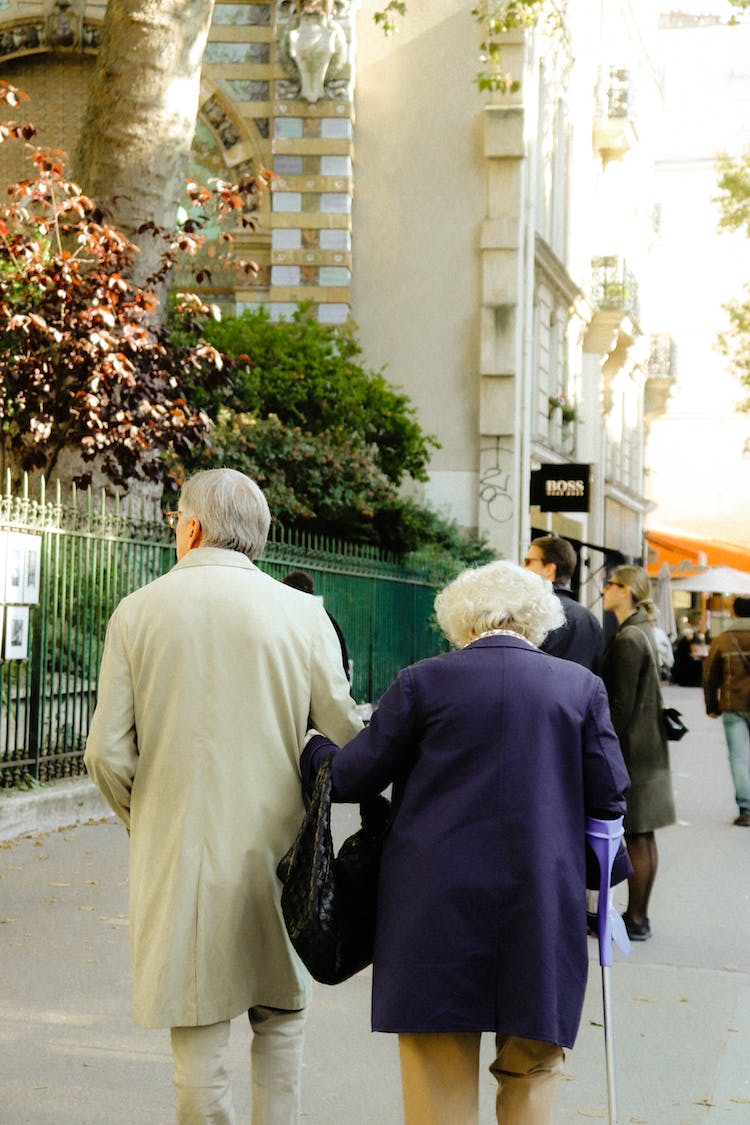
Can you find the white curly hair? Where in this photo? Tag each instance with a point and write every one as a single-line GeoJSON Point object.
{"type": "Point", "coordinates": [499, 595]}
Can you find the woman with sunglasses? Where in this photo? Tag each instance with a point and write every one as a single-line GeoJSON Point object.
{"type": "Point", "coordinates": [631, 676]}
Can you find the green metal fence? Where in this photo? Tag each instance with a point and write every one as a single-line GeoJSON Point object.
{"type": "Point", "coordinates": [90, 556]}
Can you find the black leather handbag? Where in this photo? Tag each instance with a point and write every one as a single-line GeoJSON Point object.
{"type": "Point", "coordinates": [674, 727]}
{"type": "Point", "coordinates": [329, 901]}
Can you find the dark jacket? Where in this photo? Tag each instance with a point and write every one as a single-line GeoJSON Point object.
{"type": "Point", "coordinates": [726, 671]}
{"type": "Point", "coordinates": [496, 753]}
{"type": "Point", "coordinates": [632, 679]}
{"type": "Point", "coordinates": [580, 639]}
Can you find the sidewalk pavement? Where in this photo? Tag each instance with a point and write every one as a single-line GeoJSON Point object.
{"type": "Point", "coordinates": [71, 1054]}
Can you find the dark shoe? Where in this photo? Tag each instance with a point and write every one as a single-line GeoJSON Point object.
{"type": "Point", "coordinates": [637, 931]}
{"type": "Point", "coordinates": [743, 820]}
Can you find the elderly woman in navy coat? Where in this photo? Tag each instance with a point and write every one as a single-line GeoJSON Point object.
{"type": "Point", "coordinates": [497, 753]}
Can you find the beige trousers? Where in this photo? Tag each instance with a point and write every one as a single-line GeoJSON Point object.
{"type": "Point", "coordinates": [201, 1070]}
{"type": "Point", "coordinates": [440, 1079]}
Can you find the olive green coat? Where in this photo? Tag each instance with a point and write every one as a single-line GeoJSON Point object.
{"type": "Point", "coordinates": [209, 678]}
{"type": "Point", "coordinates": [632, 680]}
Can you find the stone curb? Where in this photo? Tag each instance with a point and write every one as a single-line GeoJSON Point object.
{"type": "Point", "coordinates": [59, 805]}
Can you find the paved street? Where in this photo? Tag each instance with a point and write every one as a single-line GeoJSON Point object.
{"type": "Point", "coordinates": [71, 1054]}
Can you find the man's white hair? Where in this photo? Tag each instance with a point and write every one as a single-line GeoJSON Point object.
{"type": "Point", "coordinates": [231, 509]}
{"type": "Point", "coordinates": [499, 595]}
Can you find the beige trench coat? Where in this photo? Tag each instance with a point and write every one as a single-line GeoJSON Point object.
{"type": "Point", "coordinates": [209, 678]}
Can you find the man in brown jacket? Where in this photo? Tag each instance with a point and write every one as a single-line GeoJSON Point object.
{"type": "Point", "coordinates": [726, 687]}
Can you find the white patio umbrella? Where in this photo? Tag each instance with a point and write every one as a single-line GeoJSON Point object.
{"type": "Point", "coordinates": [715, 580]}
{"type": "Point", "coordinates": [663, 601]}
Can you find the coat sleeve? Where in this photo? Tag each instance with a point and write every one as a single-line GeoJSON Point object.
{"type": "Point", "coordinates": [605, 777]}
{"type": "Point", "coordinates": [332, 709]}
{"type": "Point", "coordinates": [378, 754]}
{"type": "Point", "coordinates": [605, 782]}
{"type": "Point", "coordinates": [111, 754]}
{"type": "Point", "coordinates": [712, 675]}
{"type": "Point", "coordinates": [622, 677]}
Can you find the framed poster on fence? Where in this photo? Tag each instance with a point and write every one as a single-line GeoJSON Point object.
{"type": "Point", "coordinates": [15, 551]}
{"type": "Point", "coordinates": [31, 568]}
{"type": "Point", "coordinates": [16, 632]}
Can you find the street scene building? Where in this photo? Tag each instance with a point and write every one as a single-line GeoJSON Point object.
{"type": "Point", "coordinates": [492, 248]}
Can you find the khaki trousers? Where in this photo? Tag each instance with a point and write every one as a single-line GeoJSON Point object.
{"type": "Point", "coordinates": [201, 1070]}
{"type": "Point", "coordinates": [440, 1079]}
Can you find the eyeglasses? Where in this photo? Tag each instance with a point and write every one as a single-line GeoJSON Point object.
{"type": "Point", "coordinates": [613, 583]}
{"type": "Point", "coordinates": [171, 518]}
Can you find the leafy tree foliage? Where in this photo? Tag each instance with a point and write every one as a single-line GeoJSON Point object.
{"type": "Point", "coordinates": [327, 440]}
{"type": "Point", "coordinates": [84, 365]}
{"type": "Point", "coordinates": [734, 207]}
{"type": "Point", "coordinates": [310, 375]}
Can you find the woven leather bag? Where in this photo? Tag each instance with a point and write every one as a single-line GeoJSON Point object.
{"type": "Point", "coordinates": [329, 902]}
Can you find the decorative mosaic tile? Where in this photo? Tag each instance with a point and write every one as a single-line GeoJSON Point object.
{"type": "Point", "coordinates": [285, 275]}
{"type": "Point", "coordinates": [289, 127]}
{"type": "Point", "coordinates": [336, 203]}
{"type": "Point", "coordinates": [249, 15]}
{"type": "Point", "coordinates": [247, 90]}
{"type": "Point", "coordinates": [282, 239]}
{"type": "Point", "coordinates": [333, 314]}
{"type": "Point", "coordinates": [287, 201]}
{"type": "Point", "coordinates": [236, 53]}
{"type": "Point", "coordinates": [335, 275]}
{"type": "Point", "coordinates": [335, 166]}
{"type": "Point", "coordinates": [335, 240]}
{"type": "Point", "coordinates": [334, 128]}
{"type": "Point", "coordinates": [288, 165]}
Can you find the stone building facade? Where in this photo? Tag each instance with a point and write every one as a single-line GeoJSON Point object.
{"type": "Point", "coordinates": [489, 247]}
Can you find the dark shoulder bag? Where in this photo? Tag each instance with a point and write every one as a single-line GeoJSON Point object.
{"type": "Point", "coordinates": [329, 901]}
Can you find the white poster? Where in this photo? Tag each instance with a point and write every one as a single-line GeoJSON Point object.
{"type": "Point", "coordinates": [31, 569]}
{"type": "Point", "coordinates": [14, 566]}
{"type": "Point", "coordinates": [16, 632]}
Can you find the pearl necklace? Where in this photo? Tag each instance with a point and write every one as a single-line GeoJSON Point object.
{"type": "Point", "coordinates": [500, 633]}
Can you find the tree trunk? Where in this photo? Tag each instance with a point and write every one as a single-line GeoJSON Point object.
{"type": "Point", "coordinates": [140, 119]}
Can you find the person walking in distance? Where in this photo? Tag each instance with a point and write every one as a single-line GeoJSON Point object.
{"type": "Point", "coordinates": [208, 677]}
{"type": "Point", "coordinates": [726, 689]}
{"type": "Point", "coordinates": [581, 638]}
{"type": "Point", "coordinates": [631, 675]}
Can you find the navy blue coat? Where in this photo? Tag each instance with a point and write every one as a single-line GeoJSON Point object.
{"type": "Point", "coordinates": [496, 752]}
{"type": "Point", "coordinates": [581, 638]}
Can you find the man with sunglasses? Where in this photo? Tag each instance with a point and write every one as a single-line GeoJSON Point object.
{"type": "Point", "coordinates": [210, 678]}
{"type": "Point", "coordinates": [581, 638]}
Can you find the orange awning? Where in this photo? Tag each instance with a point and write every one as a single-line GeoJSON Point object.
{"type": "Point", "coordinates": [687, 554]}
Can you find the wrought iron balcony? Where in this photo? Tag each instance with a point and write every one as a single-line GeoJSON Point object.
{"type": "Point", "coordinates": [614, 128]}
{"type": "Point", "coordinates": [662, 360]}
{"type": "Point", "coordinates": [613, 286]}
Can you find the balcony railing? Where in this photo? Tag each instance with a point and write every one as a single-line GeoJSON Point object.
{"type": "Point", "coordinates": [613, 286]}
{"type": "Point", "coordinates": [614, 128]}
{"type": "Point", "coordinates": [662, 360]}
{"type": "Point", "coordinates": [619, 91]}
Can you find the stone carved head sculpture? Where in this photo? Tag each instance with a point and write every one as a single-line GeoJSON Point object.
{"type": "Point", "coordinates": [63, 23]}
{"type": "Point", "coordinates": [316, 45]}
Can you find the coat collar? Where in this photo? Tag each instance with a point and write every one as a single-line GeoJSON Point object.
{"type": "Point", "coordinates": [214, 556]}
{"type": "Point", "coordinates": [500, 642]}
{"type": "Point", "coordinates": [637, 618]}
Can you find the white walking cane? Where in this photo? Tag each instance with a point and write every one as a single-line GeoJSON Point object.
{"type": "Point", "coordinates": [604, 837]}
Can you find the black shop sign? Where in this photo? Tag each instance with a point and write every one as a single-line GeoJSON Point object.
{"type": "Point", "coordinates": [561, 488]}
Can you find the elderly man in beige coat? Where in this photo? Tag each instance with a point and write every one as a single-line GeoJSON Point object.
{"type": "Point", "coordinates": [210, 678]}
